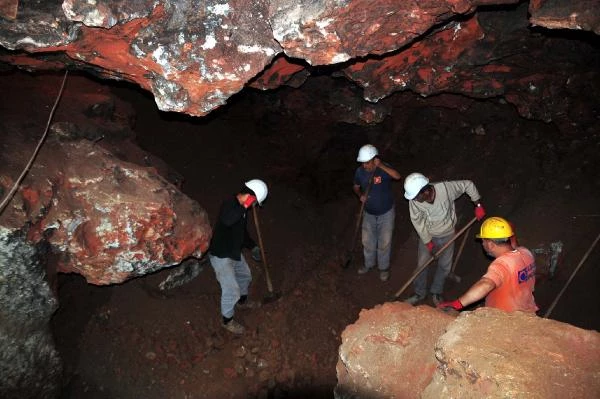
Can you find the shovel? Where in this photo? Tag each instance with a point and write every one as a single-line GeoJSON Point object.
{"type": "Point", "coordinates": [452, 276]}
{"type": "Point", "coordinates": [350, 252]}
{"type": "Point", "coordinates": [434, 257]}
{"type": "Point", "coordinates": [271, 296]}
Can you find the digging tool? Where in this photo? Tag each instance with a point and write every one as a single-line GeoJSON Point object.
{"type": "Point", "coordinates": [350, 253]}
{"type": "Point", "coordinates": [571, 278]}
{"type": "Point", "coordinates": [271, 296]}
{"type": "Point", "coordinates": [434, 257]}
{"type": "Point", "coordinates": [452, 276]}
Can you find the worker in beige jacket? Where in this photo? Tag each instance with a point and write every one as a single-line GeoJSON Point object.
{"type": "Point", "coordinates": [433, 214]}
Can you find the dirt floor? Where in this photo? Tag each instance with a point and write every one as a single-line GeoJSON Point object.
{"type": "Point", "coordinates": [135, 341]}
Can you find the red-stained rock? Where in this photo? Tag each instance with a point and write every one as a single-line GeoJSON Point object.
{"type": "Point", "coordinates": [565, 14]}
{"type": "Point", "coordinates": [281, 72]}
{"type": "Point", "coordinates": [108, 220]}
{"type": "Point", "coordinates": [105, 216]}
{"type": "Point", "coordinates": [464, 57]}
{"type": "Point", "coordinates": [417, 67]}
{"type": "Point", "coordinates": [193, 56]}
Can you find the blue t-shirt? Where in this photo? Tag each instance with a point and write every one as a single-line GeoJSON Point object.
{"type": "Point", "coordinates": [381, 197]}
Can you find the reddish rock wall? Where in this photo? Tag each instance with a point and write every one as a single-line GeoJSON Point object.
{"type": "Point", "coordinates": [193, 56]}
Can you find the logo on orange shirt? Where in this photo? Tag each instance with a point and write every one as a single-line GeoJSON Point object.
{"type": "Point", "coordinates": [526, 273]}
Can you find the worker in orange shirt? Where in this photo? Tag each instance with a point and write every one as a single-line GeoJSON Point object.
{"type": "Point", "coordinates": [510, 279]}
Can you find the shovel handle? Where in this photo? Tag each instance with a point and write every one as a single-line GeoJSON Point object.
{"type": "Point", "coordinates": [460, 249]}
{"type": "Point", "coordinates": [361, 211]}
{"type": "Point", "coordinates": [262, 250]}
{"type": "Point", "coordinates": [434, 257]}
{"type": "Point", "coordinates": [571, 277]}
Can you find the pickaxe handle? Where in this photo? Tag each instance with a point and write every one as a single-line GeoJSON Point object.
{"type": "Point", "coordinates": [434, 257]}
{"type": "Point", "coordinates": [359, 219]}
{"type": "Point", "coordinates": [262, 250]}
{"type": "Point", "coordinates": [460, 249]}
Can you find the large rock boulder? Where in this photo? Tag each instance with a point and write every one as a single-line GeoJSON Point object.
{"type": "Point", "coordinates": [397, 351]}
{"type": "Point", "coordinates": [388, 352]}
{"type": "Point", "coordinates": [489, 353]}
{"type": "Point", "coordinates": [99, 201]}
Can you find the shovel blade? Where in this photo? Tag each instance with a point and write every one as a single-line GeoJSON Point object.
{"type": "Point", "coordinates": [271, 297]}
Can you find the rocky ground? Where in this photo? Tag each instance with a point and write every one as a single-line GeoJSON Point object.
{"type": "Point", "coordinates": [135, 340]}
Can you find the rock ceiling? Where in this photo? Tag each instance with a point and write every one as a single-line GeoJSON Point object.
{"type": "Point", "coordinates": [193, 55]}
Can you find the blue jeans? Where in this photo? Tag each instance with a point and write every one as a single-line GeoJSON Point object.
{"type": "Point", "coordinates": [444, 263]}
{"type": "Point", "coordinates": [377, 238]}
{"type": "Point", "coordinates": [234, 277]}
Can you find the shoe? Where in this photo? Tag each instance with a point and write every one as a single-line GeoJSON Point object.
{"type": "Point", "coordinates": [248, 304]}
{"type": "Point", "coordinates": [384, 275]}
{"type": "Point", "coordinates": [363, 270]}
{"type": "Point", "coordinates": [437, 299]}
{"type": "Point", "coordinates": [234, 327]}
{"type": "Point", "coordinates": [414, 299]}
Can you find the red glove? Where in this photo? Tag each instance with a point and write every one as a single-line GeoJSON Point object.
{"type": "Point", "coordinates": [429, 246]}
{"type": "Point", "coordinates": [451, 304]}
{"type": "Point", "coordinates": [249, 201]}
{"type": "Point", "coordinates": [479, 212]}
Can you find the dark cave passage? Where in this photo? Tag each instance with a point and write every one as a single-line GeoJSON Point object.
{"type": "Point", "coordinates": [156, 343]}
{"type": "Point", "coordinates": [519, 166]}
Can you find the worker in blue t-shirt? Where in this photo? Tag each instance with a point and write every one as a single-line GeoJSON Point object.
{"type": "Point", "coordinates": [372, 183]}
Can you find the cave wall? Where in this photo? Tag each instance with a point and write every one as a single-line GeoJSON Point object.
{"type": "Point", "coordinates": [193, 56]}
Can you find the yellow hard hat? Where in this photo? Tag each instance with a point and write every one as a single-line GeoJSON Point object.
{"type": "Point", "coordinates": [495, 228]}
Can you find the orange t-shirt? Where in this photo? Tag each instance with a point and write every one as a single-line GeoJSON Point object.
{"type": "Point", "coordinates": [514, 276]}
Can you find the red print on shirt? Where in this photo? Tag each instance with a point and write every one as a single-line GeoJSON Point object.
{"type": "Point", "coordinates": [377, 180]}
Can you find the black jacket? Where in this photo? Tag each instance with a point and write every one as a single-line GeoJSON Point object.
{"type": "Point", "coordinates": [230, 234]}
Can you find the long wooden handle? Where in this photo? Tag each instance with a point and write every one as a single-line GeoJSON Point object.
{"type": "Point", "coordinates": [434, 257]}
{"type": "Point", "coordinates": [361, 211]}
{"type": "Point", "coordinates": [460, 249]}
{"type": "Point", "coordinates": [571, 278]}
{"type": "Point", "coordinates": [262, 249]}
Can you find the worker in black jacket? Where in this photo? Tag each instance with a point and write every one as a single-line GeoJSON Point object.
{"type": "Point", "coordinates": [230, 236]}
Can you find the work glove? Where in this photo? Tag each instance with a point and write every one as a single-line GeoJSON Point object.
{"type": "Point", "coordinates": [256, 254]}
{"type": "Point", "coordinates": [451, 304]}
{"type": "Point", "coordinates": [250, 200]}
{"type": "Point", "coordinates": [429, 246]}
{"type": "Point", "coordinates": [479, 212]}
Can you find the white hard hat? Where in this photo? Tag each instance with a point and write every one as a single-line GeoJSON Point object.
{"type": "Point", "coordinates": [366, 153]}
{"type": "Point", "coordinates": [260, 189]}
{"type": "Point", "coordinates": [413, 184]}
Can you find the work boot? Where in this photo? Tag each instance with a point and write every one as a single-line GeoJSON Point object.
{"type": "Point", "coordinates": [384, 275]}
{"type": "Point", "coordinates": [248, 304]}
{"type": "Point", "coordinates": [416, 298]}
{"type": "Point", "coordinates": [234, 327]}
{"type": "Point", "coordinates": [437, 299]}
{"type": "Point", "coordinates": [363, 270]}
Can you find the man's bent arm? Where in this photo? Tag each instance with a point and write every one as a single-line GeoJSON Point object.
{"type": "Point", "coordinates": [478, 291]}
